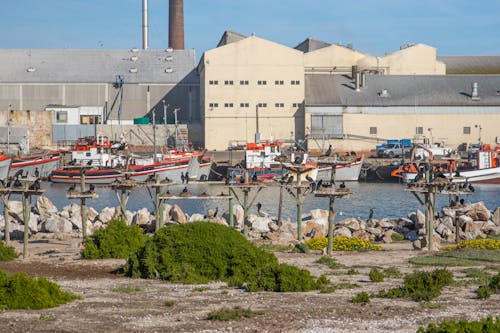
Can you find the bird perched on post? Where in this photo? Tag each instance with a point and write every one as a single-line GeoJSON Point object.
{"type": "Point", "coordinates": [260, 212]}
{"type": "Point", "coordinates": [183, 178]}
{"type": "Point", "coordinates": [35, 186]}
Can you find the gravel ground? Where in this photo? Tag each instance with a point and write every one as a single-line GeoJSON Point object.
{"type": "Point", "coordinates": [105, 309]}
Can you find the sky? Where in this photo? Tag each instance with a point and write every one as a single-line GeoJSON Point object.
{"type": "Point", "coordinates": [454, 27]}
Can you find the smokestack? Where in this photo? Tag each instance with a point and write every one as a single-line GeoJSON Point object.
{"type": "Point", "coordinates": [176, 24]}
{"type": "Point", "coordinates": [145, 24]}
{"type": "Point", "coordinates": [475, 92]}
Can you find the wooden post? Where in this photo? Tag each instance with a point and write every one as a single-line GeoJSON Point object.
{"type": "Point", "coordinates": [299, 207]}
{"type": "Point", "coordinates": [5, 199]}
{"type": "Point", "coordinates": [231, 209]}
{"type": "Point", "coordinates": [280, 203]}
{"type": "Point", "coordinates": [245, 211]}
{"type": "Point", "coordinates": [331, 212]}
{"type": "Point", "coordinates": [457, 230]}
{"type": "Point", "coordinates": [26, 218]}
{"type": "Point", "coordinates": [83, 206]}
{"type": "Point", "coordinates": [123, 203]}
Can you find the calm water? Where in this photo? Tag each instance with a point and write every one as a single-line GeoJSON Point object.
{"type": "Point", "coordinates": [388, 200]}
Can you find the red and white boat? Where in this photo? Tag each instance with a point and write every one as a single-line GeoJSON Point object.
{"type": "Point", "coordinates": [5, 161]}
{"type": "Point", "coordinates": [40, 165]}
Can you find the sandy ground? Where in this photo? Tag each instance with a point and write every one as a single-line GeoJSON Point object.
{"type": "Point", "coordinates": [103, 309]}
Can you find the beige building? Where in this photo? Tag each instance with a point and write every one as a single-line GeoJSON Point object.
{"type": "Point", "coordinates": [440, 108]}
{"type": "Point", "coordinates": [248, 76]}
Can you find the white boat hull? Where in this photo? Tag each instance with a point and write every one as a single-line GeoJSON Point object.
{"type": "Point", "coordinates": [44, 166]}
{"type": "Point", "coordinates": [489, 176]}
{"type": "Point", "coordinates": [4, 168]}
{"type": "Point", "coordinates": [343, 173]}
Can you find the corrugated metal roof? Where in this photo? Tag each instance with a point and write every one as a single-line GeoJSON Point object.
{"type": "Point", "coordinates": [403, 90]}
{"type": "Point", "coordinates": [230, 37]}
{"type": "Point", "coordinates": [311, 44]}
{"type": "Point", "coordinates": [95, 66]}
{"type": "Point", "coordinates": [471, 64]}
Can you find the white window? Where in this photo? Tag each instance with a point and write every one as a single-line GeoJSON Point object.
{"type": "Point", "coordinates": [213, 105]}
{"type": "Point", "coordinates": [228, 105]}
{"type": "Point", "coordinates": [295, 82]}
{"type": "Point", "coordinates": [262, 105]}
{"type": "Point", "coordinates": [62, 116]}
{"type": "Point", "coordinates": [279, 105]}
{"type": "Point", "coordinates": [279, 82]}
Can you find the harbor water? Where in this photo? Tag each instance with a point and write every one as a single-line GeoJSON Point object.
{"type": "Point", "coordinates": [386, 199]}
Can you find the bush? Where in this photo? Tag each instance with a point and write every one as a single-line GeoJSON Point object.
{"type": "Point", "coordinates": [421, 286]}
{"type": "Point", "coordinates": [376, 275]}
{"type": "Point", "coordinates": [480, 244]}
{"type": "Point", "coordinates": [491, 287]}
{"type": "Point", "coordinates": [235, 313]}
{"type": "Point", "coordinates": [361, 297]}
{"type": "Point", "coordinates": [20, 291]}
{"type": "Point", "coordinates": [200, 252]}
{"type": "Point", "coordinates": [117, 240]}
{"type": "Point", "coordinates": [486, 325]}
{"type": "Point", "coordinates": [352, 271]}
{"type": "Point", "coordinates": [330, 262]}
{"type": "Point", "coordinates": [342, 244]}
{"type": "Point", "coordinates": [483, 292]}
{"type": "Point", "coordinates": [7, 252]}
{"type": "Point", "coordinates": [397, 237]}
{"type": "Point", "coordinates": [392, 272]}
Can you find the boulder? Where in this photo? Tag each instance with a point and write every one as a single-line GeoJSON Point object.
{"type": "Point", "coordinates": [488, 227]}
{"type": "Point", "coordinates": [448, 222]}
{"type": "Point", "coordinates": [142, 217]}
{"type": "Point", "coordinates": [178, 215]}
{"type": "Point", "coordinates": [318, 214]}
{"type": "Point", "coordinates": [406, 223]}
{"type": "Point", "coordinates": [463, 219]}
{"type": "Point", "coordinates": [57, 224]}
{"type": "Point", "coordinates": [196, 218]}
{"type": "Point", "coordinates": [273, 226]}
{"type": "Point", "coordinates": [374, 231]}
{"type": "Point", "coordinates": [16, 209]}
{"type": "Point", "coordinates": [342, 232]}
{"type": "Point", "coordinates": [450, 212]}
{"type": "Point", "coordinates": [496, 217]}
{"type": "Point", "coordinates": [313, 230]}
{"type": "Point", "coordinates": [76, 221]}
{"type": "Point", "coordinates": [45, 207]}
{"type": "Point", "coordinates": [387, 238]}
{"type": "Point", "coordinates": [219, 220]}
{"type": "Point", "coordinates": [33, 223]}
{"type": "Point", "coordinates": [362, 234]}
{"type": "Point", "coordinates": [420, 219]}
{"type": "Point", "coordinates": [238, 214]}
{"type": "Point", "coordinates": [288, 227]}
{"type": "Point", "coordinates": [443, 230]}
{"type": "Point", "coordinates": [65, 212]}
{"type": "Point", "coordinates": [129, 216]}
{"type": "Point", "coordinates": [351, 223]}
{"type": "Point", "coordinates": [412, 235]}
{"type": "Point", "coordinates": [92, 213]}
{"type": "Point", "coordinates": [106, 214]}
{"type": "Point", "coordinates": [259, 223]}
{"type": "Point", "coordinates": [478, 212]}
{"type": "Point", "coordinates": [386, 223]}
{"type": "Point", "coordinates": [472, 226]}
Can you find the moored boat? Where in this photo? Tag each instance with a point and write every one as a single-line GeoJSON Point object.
{"type": "Point", "coordinates": [5, 161]}
{"type": "Point", "coordinates": [40, 165]}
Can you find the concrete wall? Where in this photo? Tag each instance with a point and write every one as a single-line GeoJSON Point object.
{"type": "Point", "coordinates": [252, 59]}
{"type": "Point", "coordinates": [38, 122]}
{"type": "Point", "coordinates": [333, 56]}
{"type": "Point", "coordinates": [446, 124]}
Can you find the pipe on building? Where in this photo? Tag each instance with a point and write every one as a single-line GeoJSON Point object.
{"type": "Point", "coordinates": [145, 24]}
{"type": "Point", "coordinates": [176, 25]}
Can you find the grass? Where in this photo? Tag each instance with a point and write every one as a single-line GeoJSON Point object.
{"type": "Point", "coordinates": [235, 313]}
{"type": "Point", "coordinates": [201, 289]}
{"type": "Point", "coordinates": [392, 273]}
{"type": "Point", "coordinates": [431, 305]}
{"type": "Point", "coordinates": [361, 297]}
{"type": "Point", "coordinates": [461, 257]}
{"type": "Point", "coordinates": [486, 325]}
{"type": "Point", "coordinates": [47, 317]}
{"type": "Point", "coordinates": [169, 303]}
{"type": "Point", "coordinates": [376, 275]}
{"type": "Point", "coordinates": [126, 290]}
{"type": "Point", "coordinates": [330, 288]}
{"type": "Point", "coordinates": [329, 262]}
{"type": "Point", "coordinates": [352, 271]}
{"type": "Point", "coordinates": [7, 252]}
{"type": "Point", "coordinates": [276, 248]}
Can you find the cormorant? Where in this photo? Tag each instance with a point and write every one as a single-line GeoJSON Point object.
{"type": "Point", "coordinates": [91, 187]}
{"type": "Point", "coordinates": [342, 185]}
{"type": "Point", "coordinates": [203, 178]}
{"type": "Point", "coordinates": [254, 177]}
{"type": "Point", "coordinates": [89, 162]}
{"type": "Point", "coordinates": [309, 179]}
{"type": "Point", "coordinates": [319, 184]}
{"type": "Point", "coordinates": [216, 211]}
{"type": "Point", "coordinates": [35, 186]}
{"type": "Point", "coordinates": [17, 183]}
{"type": "Point", "coordinates": [187, 177]}
{"type": "Point", "coordinates": [185, 189]}
{"type": "Point", "coordinates": [72, 187]}
{"type": "Point", "coordinates": [329, 151]}
{"type": "Point", "coordinates": [37, 173]}
{"type": "Point", "coordinates": [151, 177]}
{"type": "Point", "coordinates": [18, 173]}
{"type": "Point", "coordinates": [372, 212]}
{"type": "Point", "coordinates": [182, 177]}
{"type": "Point", "coordinates": [471, 188]}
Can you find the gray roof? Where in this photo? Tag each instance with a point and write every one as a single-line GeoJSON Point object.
{"type": "Point", "coordinates": [403, 90]}
{"type": "Point", "coordinates": [229, 37]}
{"type": "Point", "coordinates": [311, 44]}
{"type": "Point", "coordinates": [471, 64]}
{"type": "Point", "coordinates": [95, 66]}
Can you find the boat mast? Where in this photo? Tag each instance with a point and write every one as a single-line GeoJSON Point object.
{"type": "Point", "coordinates": [257, 134]}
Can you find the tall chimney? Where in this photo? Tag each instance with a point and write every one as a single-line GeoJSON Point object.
{"type": "Point", "coordinates": [176, 24]}
{"type": "Point", "coordinates": [145, 24]}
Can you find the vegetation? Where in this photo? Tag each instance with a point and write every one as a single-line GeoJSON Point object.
{"type": "Point", "coordinates": [392, 272]}
{"type": "Point", "coordinates": [490, 287]}
{"type": "Point", "coordinates": [330, 262]}
{"type": "Point", "coordinates": [361, 297]}
{"type": "Point", "coordinates": [482, 244]}
{"type": "Point", "coordinates": [486, 325]}
{"type": "Point", "coordinates": [20, 291]}
{"type": "Point", "coordinates": [352, 271]}
{"type": "Point", "coordinates": [200, 252]}
{"type": "Point", "coordinates": [376, 275]}
{"type": "Point", "coordinates": [169, 303]}
{"type": "Point", "coordinates": [126, 290]}
{"type": "Point", "coordinates": [421, 286]}
{"type": "Point", "coordinates": [459, 257]}
{"type": "Point", "coordinates": [7, 252]}
{"type": "Point", "coordinates": [342, 244]}
{"type": "Point", "coordinates": [117, 240]}
{"type": "Point", "coordinates": [397, 237]}
{"type": "Point", "coordinates": [235, 313]}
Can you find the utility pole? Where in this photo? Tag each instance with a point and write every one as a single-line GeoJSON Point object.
{"type": "Point", "coordinates": [165, 106]}
{"type": "Point", "coordinates": [176, 127]}
{"type": "Point", "coordinates": [154, 135]}
{"type": "Point", "coordinates": [8, 128]}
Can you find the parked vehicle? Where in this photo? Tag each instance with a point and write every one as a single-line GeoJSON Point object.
{"type": "Point", "coordinates": [392, 150]}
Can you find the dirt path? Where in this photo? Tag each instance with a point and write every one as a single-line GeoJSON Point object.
{"type": "Point", "coordinates": [104, 309]}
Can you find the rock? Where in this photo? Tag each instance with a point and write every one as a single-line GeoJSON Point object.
{"type": "Point", "coordinates": [362, 234]}
{"type": "Point", "coordinates": [374, 231]}
{"type": "Point", "coordinates": [273, 226]}
{"type": "Point", "coordinates": [313, 230]}
{"type": "Point", "coordinates": [95, 226]}
{"type": "Point", "coordinates": [196, 217]}
{"type": "Point", "coordinates": [65, 212]}
{"type": "Point", "coordinates": [448, 222]}
{"type": "Point", "coordinates": [418, 244]}
{"type": "Point", "coordinates": [57, 224]}
{"type": "Point", "coordinates": [106, 214]}
{"type": "Point", "coordinates": [342, 232]}
{"type": "Point", "coordinates": [443, 230]}
{"type": "Point", "coordinates": [219, 220]}
{"type": "Point", "coordinates": [318, 214]}
{"type": "Point", "coordinates": [478, 212]}
{"type": "Point", "coordinates": [488, 227]}
{"type": "Point", "coordinates": [496, 217]}
{"type": "Point", "coordinates": [258, 223]}
{"type": "Point", "coordinates": [142, 217]}
{"type": "Point", "coordinates": [402, 230]}
{"type": "Point", "coordinates": [16, 231]}
{"type": "Point", "coordinates": [33, 223]}
{"type": "Point", "coordinates": [288, 227]}
{"type": "Point", "coordinates": [76, 221]}
{"type": "Point", "coordinates": [386, 223]}
{"type": "Point", "coordinates": [238, 214]}
{"type": "Point", "coordinates": [406, 223]}
{"type": "Point", "coordinates": [447, 211]}
{"type": "Point", "coordinates": [45, 207]}
{"type": "Point", "coordinates": [254, 234]}
{"type": "Point", "coordinates": [387, 238]}
{"type": "Point", "coordinates": [178, 215]}
{"type": "Point", "coordinates": [463, 219]}
{"type": "Point", "coordinates": [472, 226]}
{"type": "Point", "coordinates": [129, 216]}
{"type": "Point", "coordinates": [16, 210]}
{"type": "Point", "coordinates": [92, 213]}
{"type": "Point", "coordinates": [351, 223]}
{"type": "Point", "coordinates": [412, 235]}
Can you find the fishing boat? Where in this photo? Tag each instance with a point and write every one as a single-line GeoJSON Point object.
{"type": "Point", "coordinates": [5, 161]}
{"type": "Point", "coordinates": [40, 165]}
{"type": "Point", "coordinates": [343, 173]}
{"type": "Point", "coordinates": [487, 170]}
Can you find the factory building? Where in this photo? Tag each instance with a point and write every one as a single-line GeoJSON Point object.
{"type": "Point", "coordinates": [249, 84]}
{"type": "Point", "coordinates": [449, 109]}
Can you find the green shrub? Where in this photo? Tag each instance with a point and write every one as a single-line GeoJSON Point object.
{"type": "Point", "coordinates": [495, 284]}
{"type": "Point", "coordinates": [352, 271]}
{"type": "Point", "coordinates": [330, 262]}
{"type": "Point", "coordinates": [7, 252]}
{"type": "Point", "coordinates": [235, 313]}
{"type": "Point", "coordinates": [421, 286]}
{"type": "Point", "coordinates": [200, 252]}
{"type": "Point", "coordinates": [486, 325]}
{"type": "Point", "coordinates": [376, 275]}
{"type": "Point", "coordinates": [392, 272]}
{"type": "Point", "coordinates": [20, 291]}
{"type": "Point", "coordinates": [117, 240]}
{"type": "Point", "coordinates": [169, 303]}
{"type": "Point", "coordinates": [397, 237]}
{"type": "Point", "coordinates": [483, 292]}
{"type": "Point", "coordinates": [491, 287]}
{"type": "Point", "coordinates": [361, 297]}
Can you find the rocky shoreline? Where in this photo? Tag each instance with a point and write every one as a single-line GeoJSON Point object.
{"type": "Point", "coordinates": [474, 221]}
